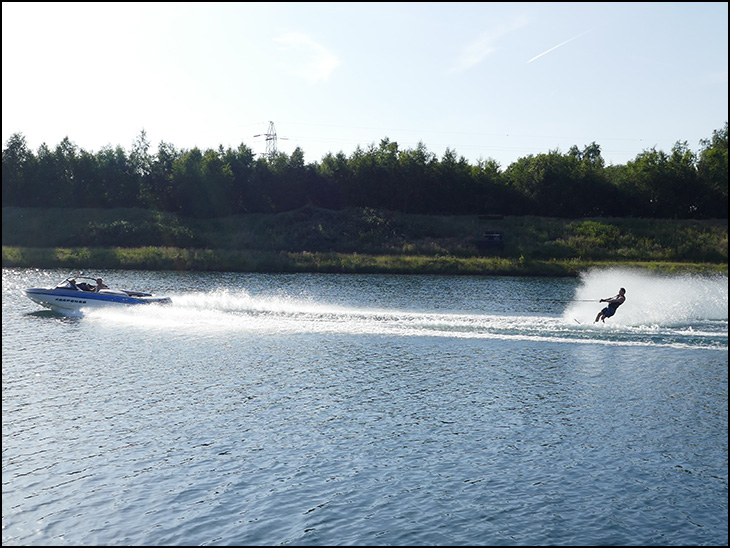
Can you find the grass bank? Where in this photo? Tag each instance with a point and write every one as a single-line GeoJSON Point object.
{"type": "Point", "coordinates": [168, 258]}
{"type": "Point", "coordinates": [356, 240]}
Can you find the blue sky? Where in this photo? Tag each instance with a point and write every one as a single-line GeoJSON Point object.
{"type": "Point", "coordinates": [489, 80]}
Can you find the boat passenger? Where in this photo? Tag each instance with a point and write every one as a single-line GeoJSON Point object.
{"type": "Point", "coordinates": [100, 285]}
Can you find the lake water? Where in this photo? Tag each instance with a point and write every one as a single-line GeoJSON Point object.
{"type": "Point", "coordinates": [368, 410]}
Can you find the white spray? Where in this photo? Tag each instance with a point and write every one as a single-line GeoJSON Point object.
{"type": "Point", "coordinates": [651, 299]}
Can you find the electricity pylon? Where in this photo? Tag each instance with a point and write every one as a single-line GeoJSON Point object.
{"type": "Point", "coordinates": [270, 141]}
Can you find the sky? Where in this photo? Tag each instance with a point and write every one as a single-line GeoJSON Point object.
{"type": "Point", "coordinates": [488, 81]}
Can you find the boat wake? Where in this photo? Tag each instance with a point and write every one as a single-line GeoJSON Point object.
{"type": "Point", "coordinates": [671, 322]}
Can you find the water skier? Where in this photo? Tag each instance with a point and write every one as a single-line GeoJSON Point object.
{"type": "Point", "coordinates": [613, 304]}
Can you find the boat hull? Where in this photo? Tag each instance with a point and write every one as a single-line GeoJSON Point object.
{"type": "Point", "coordinates": [63, 300]}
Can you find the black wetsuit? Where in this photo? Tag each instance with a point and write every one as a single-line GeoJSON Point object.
{"type": "Point", "coordinates": [614, 305]}
{"type": "Point", "coordinates": [610, 310]}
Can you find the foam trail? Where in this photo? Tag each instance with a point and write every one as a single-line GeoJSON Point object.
{"type": "Point", "coordinates": [219, 313]}
{"type": "Point", "coordinates": [651, 299]}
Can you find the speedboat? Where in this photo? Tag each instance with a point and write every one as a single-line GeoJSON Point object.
{"type": "Point", "coordinates": [77, 292]}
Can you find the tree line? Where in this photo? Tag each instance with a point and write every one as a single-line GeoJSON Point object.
{"type": "Point", "coordinates": [217, 183]}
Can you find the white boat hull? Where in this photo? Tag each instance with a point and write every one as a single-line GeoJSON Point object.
{"type": "Point", "coordinates": [65, 300]}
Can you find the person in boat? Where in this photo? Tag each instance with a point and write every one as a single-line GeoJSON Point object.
{"type": "Point", "coordinates": [613, 304]}
{"type": "Point", "coordinates": [100, 285]}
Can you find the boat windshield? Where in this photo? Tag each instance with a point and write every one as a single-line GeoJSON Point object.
{"type": "Point", "coordinates": [81, 283]}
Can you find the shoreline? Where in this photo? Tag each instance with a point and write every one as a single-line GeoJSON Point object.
{"type": "Point", "coordinates": [170, 258]}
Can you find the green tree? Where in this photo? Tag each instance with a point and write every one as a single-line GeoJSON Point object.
{"type": "Point", "coordinates": [639, 182]}
{"type": "Point", "coordinates": [242, 165]}
{"type": "Point", "coordinates": [120, 185]}
{"type": "Point", "coordinates": [140, 165]}
{"type": "Point", "coordinates": [416, 179]}
{"type": "Point", "coordinates": [550, 183]}
{"type": "Point", "coordinates": [262, 182]}
{"type": "Point", "coordinates": [363, 164]}
{"type": "Point", "coordinates": [712, 175]}
{"type": "Point", "coordinates": [590, 155]}
{"type": "Point", "coordinates": [44, 179]}
{"type": "Point", "coordinates": [64, 188]}
{"type": "Point", "coordinates": [217, 185]}
{"type": "Point", "coordinates": [491, 194]}
{"type": "Point", "coordinates": [595, 194]}
{"type": "Point", "coordinates": [386, 185]}
{"type": "Point", "coordinates": [655, 184]}
{"type": "Point", "coordinates": [289, 185]}
{"type": "Point", "coordinates": [679, 191]}
{"type": "Point", "coordinates": [660, 185]}
{"type": "Point", "coordinates": [202, 184]}
{"type": "Point", "coordinates": [452, 190]}
{"type": "Point", "coordinates": [336, 179]}
{"type": "Point", "coordinates": [159, 182]}
{"type": "Point", "coordinates": [140, 160]}
{"type": "Point", "coordinates": [90, 186]}
{"type": "Point", "coordinates": [19, 163]}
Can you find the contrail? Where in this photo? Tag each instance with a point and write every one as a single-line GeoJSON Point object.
{"type": "Point", "coordinates": [555, 47]}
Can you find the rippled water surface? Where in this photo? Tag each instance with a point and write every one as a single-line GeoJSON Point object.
{"type": "Point", "coordinates": [368, 410]}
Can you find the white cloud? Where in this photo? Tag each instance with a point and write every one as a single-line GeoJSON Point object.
{"type": "Point", "coordinates": [304, 57]}
{"type": "Point", "coordinates": [473, 53]}
{"type": "Point", "coordinates": [485, 44]}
